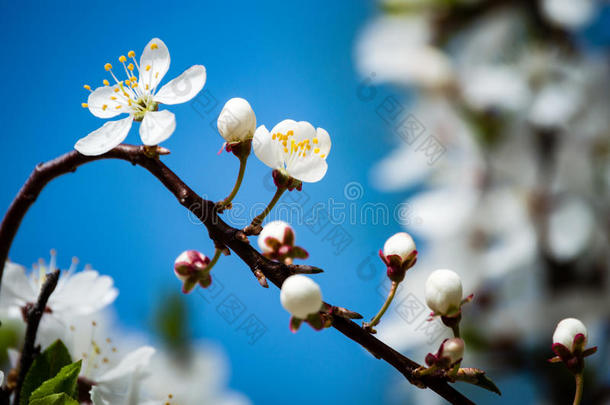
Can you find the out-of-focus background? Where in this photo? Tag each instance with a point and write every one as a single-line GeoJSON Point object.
{"type": "Point", "coordinates": [481, 127]}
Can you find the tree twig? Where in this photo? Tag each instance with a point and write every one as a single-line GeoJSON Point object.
{"type": "Point", "coordinates": [33, 317]}
{"type": "Point", "coordinates": [220, 232]}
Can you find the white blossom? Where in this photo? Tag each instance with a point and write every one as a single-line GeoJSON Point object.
{"type": "Point", "coordinates": [301, 296]}
{"type": "Point", "coordinates": [294, 148]}
{"type": "Point", "coordinates": [453, 349]}
{"type": "Point", "coordinates": [77, 293]}
{"type": "Point", "coordinates": [443, 291]}
{"type": "Point", "coordinates": [276, 230]}
{"type": "Point", "coordinates": [566, 331]}
{"type": "Point", "coordinates": [138, 97]}
{"type": "Point", "coordinates": [570, 14]}
{"type": "Point", "coordinates": [237, 121]}
{"type": "Point", "coordinates": [400, 244]}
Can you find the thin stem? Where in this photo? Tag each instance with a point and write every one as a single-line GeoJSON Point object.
{"type": "Point", "coordinates": [259, 218]}
{"type": "Point", "coordinates": [456, 329]}
{"type": "Point", "coordinates": [578, 377]}
{"type": "Point", "coordinates": [215, 258]}
{"type": "Point", "coordinates": [385, 306]}
{"type": "Point", "coordinates": [240, 176]}
{"type": "Point", "coordinates": [34, 315]}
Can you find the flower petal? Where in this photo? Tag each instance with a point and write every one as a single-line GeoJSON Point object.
{"type": "Point", "coordinates": [324, 142]}
{"type": "Point", "coordinates": [157, 126]}
{"type": "Point", "coordinates": [310, 169]}
{"type": "Point", "coordinates": [105, 138]}
{"type": "Point", "coordinates": [265, 149]}
{"type": "Point", "coordinates": [101, 102]}
{"type": "Point", "coordinates": [184, 87]}
{"type": "Point", "coordinates": [154, 64]}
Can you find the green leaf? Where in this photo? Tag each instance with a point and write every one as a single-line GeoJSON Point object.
{"type": "Point", "coordinates": [44, 367]}
{"type": "Point", "coordinates": [64, 382]}
{"type": "Point", "coordinates": [485, 382]}
{"type": "Point", "coordinates": [477, 377]}
{"type": "Point", "coordinates": [55, 399]}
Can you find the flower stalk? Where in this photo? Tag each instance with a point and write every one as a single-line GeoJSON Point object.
{"type": "Point", "coordinates": [370, 325]}
{"type": "Point", "coordinates": [579, 380]}
{"type": "Point", "coordinates": [226, 203]}
{"type": "Point", "coordinates": [255, 226]}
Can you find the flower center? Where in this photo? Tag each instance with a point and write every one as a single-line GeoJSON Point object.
{"type": "Point", "coordinates": [130, 96]}
{"type": "Point", "coordinates": [293, 149]}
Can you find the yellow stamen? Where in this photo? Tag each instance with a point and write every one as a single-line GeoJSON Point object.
{"type": "Point", "coordinates": [316, 150]}
{"type": "Point", "coordinates": [122, 58]}
{"type": "Point", "coordinates": [87, 87]}
{"type": "Point", "coordinates": [323, 155]}
{"type": "Point", "coordinates": [107, 66]}
{"type": "Point", "coordinates": [147, 68]}
{"type": "Point", "coordinates": [113, 98]}
{"type": "Point", "coordinates": [130, 66]}
{"type": "Point", "coordinates": [104, 107]}
{"type": "Point", "coordinates": [131, 54]}
{"type": "Point", "coordinates": [315, 140]}
{"type": "Point", "coordinates": [133, 78]}
{"type": "Point", "coordinates": [85, 105]}
{"type": "Point", "coordinates": [290, 133]}
{"type": "Point", "coordinates": [116, 89]}
{"type": "Point", "coordinates": [118, 107]}
{"type": "Point", "coordinates": [153, 46]}
{"type": "Point", "coordinates": [106, 82]}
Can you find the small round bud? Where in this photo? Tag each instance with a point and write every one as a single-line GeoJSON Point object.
{"type": "Point", "coordinates": [301, 296]}
{"type": "Point", "coordinates": [443, 292]}
{"type": "Point", "coordinates": [566, 331]}
{"type": "Point", "coordinates": [276, 230]}
{"type": "Point", "coordinates": [453, 350]}
{"type": "Point", "coordinates": [400, 244]}
{"type": "Point", "coordinates": [236, 121]}
{"type": "Point", "coordinates": [191, 267]}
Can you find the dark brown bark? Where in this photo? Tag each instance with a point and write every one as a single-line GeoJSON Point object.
{"type": "Point", "coordinates": [220, 232]}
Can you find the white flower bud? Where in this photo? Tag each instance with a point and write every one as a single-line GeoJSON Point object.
{"type": "Point", "coordinates": [566, 331]}
{"type": "Point", "coordinates": [300, 296]}
{"type": "Point", "coordinates": [453, 349]}
{"type": "Point", "coordinates": [443, 291]}
{"type": "Point", "coordinates": [274, 229]}
{"type": "Point", "coordinates": [400, 244]}
{"type": "Point", "coordinates": [236, 121]}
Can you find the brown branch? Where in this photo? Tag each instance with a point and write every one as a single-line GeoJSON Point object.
{"type": "Point", "coordinates": [220, 232]}
{"type": "Point", "coordinates": [33, 317]}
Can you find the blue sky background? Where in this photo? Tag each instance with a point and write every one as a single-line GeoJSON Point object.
{"type": "Point", "coordinates": [290, 60]}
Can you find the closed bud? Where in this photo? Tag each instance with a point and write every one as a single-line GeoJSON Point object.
{"type": "Point", "coordinates": [452, 350]}
{"type": "Point", "coordinates": [276, 241]}
{"type": "Point", "coordinates": [399, 254]}
{"type": "Point", "coordinates": [444, 292]}
{"type": "Point", "coordinates": [566, 332]}
{"type": "Point", "coordinates": [301, 296]}
{"type": "Point", "coordinates": [236, 122]}
{"type": "Point", "coordinates": [191, 267]}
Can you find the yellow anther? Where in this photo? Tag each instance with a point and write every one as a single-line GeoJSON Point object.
{"type": "Point", "coordinates": [285, 150]}
{"type": "Point", "coordinates": [147, 68]}
{"type": "Point", "coordinates": [118, 107]}
{"type": "Point", "coordinates": [153, 46]}
{"type": "Point", "coordinates": [107, 66]}
{"type": "Point", "coordinates": [106, 82]}
{"type": "Point", "coordinates": [316, 150]}
{"type": "Point", "coordinates": [315, 140]}
{"type": "Point", "coordinates": [290, 133]}
{"type": "Point", "coordinates": [157, 75]}
{"type": "Point", "coordinates": [273, 136]}
{"type": "Point", "coordinates": [147, 87]}
{"type": "Point", "coordinates": [85, 105]}
{"type": "Point", "coordinates": [133, 78]}
{"type": "Point", "coordinates": [122, 58]}
{"type": "Point", "coordinates": [87, 87]}
{"type": "Point", "coordinates": [130, 66]}
{"type": "Point", "coordinates": [112, 97]}
{"type": "Point", "coordinates": [116, 89]}
{"type": "Point", "coordinates": [104, 107]}
{"type": "Point", "coordinates": [323, 156]}
{"type": "Point", "coordinates": [131, 54]}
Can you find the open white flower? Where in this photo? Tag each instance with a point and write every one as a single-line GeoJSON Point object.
{"type": "Point", "coordinates": [77, 293]}
{"type": "Point", "coordinates": [443, 292]}
{"type": "Point", "coordinates": [138, 97]}
{"type": "Point", "coordinates": [566, 331]}
{"type": "Point", "coordinates": [301, 296]}
{"type": "Point", "coordinates": [237, 121]}
{"type": "Point", "coordinates": [294, 148]}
